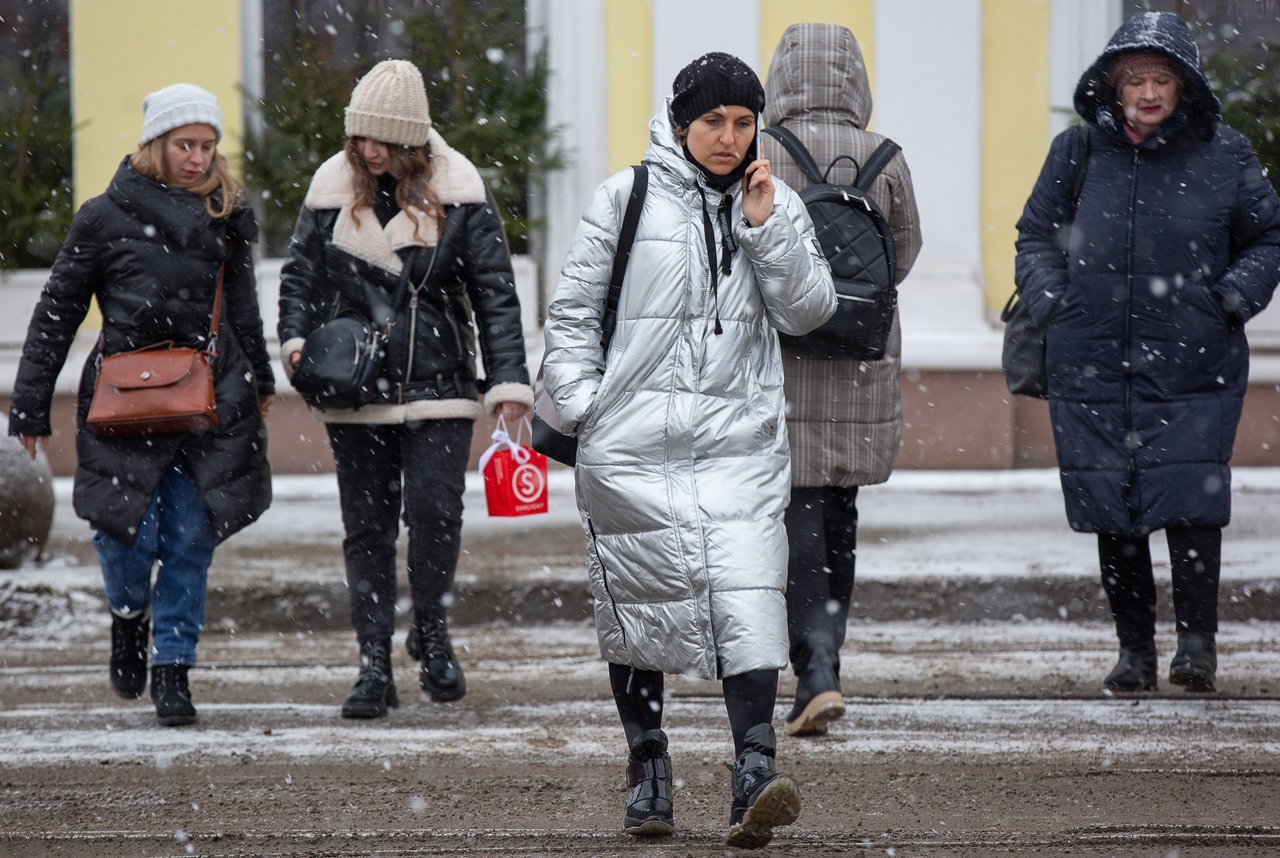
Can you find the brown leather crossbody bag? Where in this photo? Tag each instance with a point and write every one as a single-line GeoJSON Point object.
{"type": "Point", "coordinates": [158, 389]}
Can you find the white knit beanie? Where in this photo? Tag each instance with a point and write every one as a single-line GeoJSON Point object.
{"type": "Point", "coordinates": [178, 105]}
{"type": "Point", "coordinates": [389, 104]}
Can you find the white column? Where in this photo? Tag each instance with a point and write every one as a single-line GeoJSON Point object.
{"type": "Point", "coordinates": [928, 98]}
{"type": "Point", "coordinates": [684, 30]}
{"type": "Point", "coordinates": [1078, 31]}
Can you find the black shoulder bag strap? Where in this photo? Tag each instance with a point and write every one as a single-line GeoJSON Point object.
{"type": "Point", "coordinates": [798, 152]}
{"type": "Point", "coordinates": [879, 159]}
{"type": "Point", "coordinates": [1077, 185]}
{"type": "Point", "coordinates": [626, 237]}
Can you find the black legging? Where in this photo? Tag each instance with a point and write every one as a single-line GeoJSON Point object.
{"type": "Point", "coordinates": [1195, 558]}
{"type": "Point", "coordinates": [748, 698]}
{"type": "Point", "coordinates": [822, 535]}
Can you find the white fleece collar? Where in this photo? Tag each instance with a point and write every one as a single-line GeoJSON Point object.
{"type": "Point", "coordinates": [454, 181]}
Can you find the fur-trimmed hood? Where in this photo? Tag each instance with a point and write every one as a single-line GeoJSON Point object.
{"type": "Point", "coordinates": [454, 181]}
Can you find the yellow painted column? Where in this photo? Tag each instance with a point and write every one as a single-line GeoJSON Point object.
{"type": "Point", "coordinates": [628, 49]}
{"type": "Point", "coordinates": [123, 49]}
{"type": "Point", "coordinates": [1015, 129]}
{"type": "Point", "coordinates": [857, 15]}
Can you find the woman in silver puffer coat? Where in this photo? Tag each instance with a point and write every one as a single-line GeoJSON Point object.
{"type": "Point", "coordinates": [683, 471]}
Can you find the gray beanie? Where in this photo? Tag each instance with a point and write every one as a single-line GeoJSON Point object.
{"type": "Point", "coordinates": [178, 105]}
{"type": "Point", "coordinates": [389, 105]}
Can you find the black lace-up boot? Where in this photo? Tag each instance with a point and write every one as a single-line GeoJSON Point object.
{"type": "Point", "coordinates": [649, 806]}
{"type": "Point", "coordinates": [440, 675]}
{"type": "Point", "coordinates": [1196, 663]}
{"type": "Point", "coordinates": [171, 695]}
{"type": "Point", "coordinates": [762, 797]}
{"type": "Point", "coordinates": [375, 687]}
{"type": "Point", "coordinates": [1135, 670]}
{"type": "Point", "coordinates": [129, 637]}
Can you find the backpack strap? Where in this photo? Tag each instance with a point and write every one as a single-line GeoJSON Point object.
{"type": "Point", "coordinates": [626, 237]}
{"type": "Point", "coordinates": [798, 152]}
{"type": "Point", "coordinates": [879, 159]}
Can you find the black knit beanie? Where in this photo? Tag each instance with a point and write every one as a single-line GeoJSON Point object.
{"type": "Point", "coordinates": [713, 80]}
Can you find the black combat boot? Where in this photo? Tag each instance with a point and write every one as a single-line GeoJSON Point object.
{"type": "Point", "coordinates": [1196, 663]}
{"type": "Point", "coordinates": [762, 797]}
{"type": "Point", "coordinates": [171, 695]}
{"type": "Point", "coordinates": [1135, 670]}
{"type": "Point", "coordinates": [818, 699]}
{"type": "Point", "coordinates": [649, 806]}
{"type": "Point", "coordinates": [375, 687]}
{"type": "Point", "coordinates": [440, 675]}
{"type": "Point", "coordinates": [129, 638]}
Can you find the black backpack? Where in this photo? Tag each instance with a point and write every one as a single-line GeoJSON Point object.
{"type": "Point", "coordinates": [856, 239]}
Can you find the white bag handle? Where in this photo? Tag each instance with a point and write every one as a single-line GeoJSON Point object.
{"type": "Point", "coordinates": [519, 452]}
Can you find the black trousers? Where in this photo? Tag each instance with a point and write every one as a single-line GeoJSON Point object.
{"type": "Point", "coordinates": [748, 698]}
{"type": "Point", "coordinates": [420, 467]}
{"type": "Point", "coordinates": [822, 534]}
{"type": "Point", "coordinates": [1195, 558]}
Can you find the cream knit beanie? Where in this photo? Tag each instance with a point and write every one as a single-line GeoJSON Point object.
{"type": "Point", "coordinates": [178, 105]}
{"type": "Point", "coordinates": [389, 104]}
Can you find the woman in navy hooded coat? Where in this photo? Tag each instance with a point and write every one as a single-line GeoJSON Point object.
{"type": "Point", "coordinates": [1144, 294]}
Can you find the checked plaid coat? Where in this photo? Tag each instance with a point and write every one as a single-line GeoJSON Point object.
{"type": "Point", "coordinates": [844, 417]}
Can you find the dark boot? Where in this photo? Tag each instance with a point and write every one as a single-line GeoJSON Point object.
{"type": "Point", "coordinates": [129, 654]}
{"type": "Point", "coordinates": [375, 687]}
{"type": "Point", "coordinates": [1136, 669]}
{"type": "Point", "coordinates": [762, 797]}
{"type": "Point", "coordinates": [440, 675]}
{"type": "Point", "coordinates": [818, 699]}
{"type": "Point", "coordinates": [649, 805]}
{"type": "Point", "coordinates": [1196, 663]}
{"type": "Point", "coordinates": [171, 695]}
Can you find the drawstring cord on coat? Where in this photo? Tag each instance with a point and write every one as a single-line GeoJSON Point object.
{"type": "Point", "coordinates": [728, 245]}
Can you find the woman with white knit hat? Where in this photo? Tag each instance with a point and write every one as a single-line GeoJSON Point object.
{"type": "Point", "coordinates": [398, 225]}
{"type": "Point", "coordinates": [171, 231]}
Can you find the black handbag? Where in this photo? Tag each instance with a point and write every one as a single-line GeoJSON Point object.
{"type": "Point", "coordinates": [342, 359]}
{"type": "Point", "coordinates": [1023, 356]}
{"type": "Point", "coordinates": [548, 439]}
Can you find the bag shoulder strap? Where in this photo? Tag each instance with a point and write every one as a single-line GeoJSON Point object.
{"type": "Point", "coordinates": [878, 160]}
{"type": "Point", "coordinates": [1081, 168]}
{"type": "Point", "coordinates": [802, 157]}
{"type": "Point", "coordinates": [1077, 185]}
{"type": "Point", "coordinates": [626, 237]}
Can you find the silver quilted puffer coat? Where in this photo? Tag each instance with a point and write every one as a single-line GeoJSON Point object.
{"type": "Point", "coordinates": [683, 471]}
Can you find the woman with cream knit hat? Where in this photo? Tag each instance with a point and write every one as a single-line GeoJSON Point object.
{"type": "Point", "coordinates": [400, 223]}
{"type": "Point", "coordinates": [154, 249]}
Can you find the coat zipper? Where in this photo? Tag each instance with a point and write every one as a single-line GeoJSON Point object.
{"type": "Point", "coordinates": [604, 577]}
{"type": "Point", "coordinates": [1128, 330]}
{"type": "Point", "coordinates": [413, 321]}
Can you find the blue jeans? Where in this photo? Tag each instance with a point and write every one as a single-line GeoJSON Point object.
{"type": "Point", "coordinates": [174, 532]}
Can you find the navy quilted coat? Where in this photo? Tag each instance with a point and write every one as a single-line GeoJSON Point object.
{"type": "Point", "coordinates": [1175, 245]}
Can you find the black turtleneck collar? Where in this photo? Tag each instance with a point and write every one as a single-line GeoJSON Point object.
{"type": "Point", "coordinates": [384, 201]}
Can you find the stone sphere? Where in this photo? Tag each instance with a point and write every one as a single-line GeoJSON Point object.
{"type": "Point", "coordinates": [26, 502]}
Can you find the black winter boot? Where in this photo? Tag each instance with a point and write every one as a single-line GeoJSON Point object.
{"type": "Point", "coordinates": [1196, 663]}
{"type": "Point", "coordinates": [818, 699]}
{"type": "Point", "coordinates": [762, 797]}
{"type": "Point", "coordinates": [171, 695]}
{"type": "Point", "coordinates": [1135, 670]}
{"type": "Point", "coordinates": [375, 687]}
{"type": "Point", "coordinates": [441, 675]}
{"type": "Point", "coordinates": [129, 638]}
{"type": "Point", "coordinates": [650, 810]}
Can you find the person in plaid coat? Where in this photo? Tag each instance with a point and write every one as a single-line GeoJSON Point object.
{"type": "Point", "coordinates": [844, 417]}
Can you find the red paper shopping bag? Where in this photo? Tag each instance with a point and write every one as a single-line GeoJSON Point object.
{"type": "Point", "coordinates": [515, 476]}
